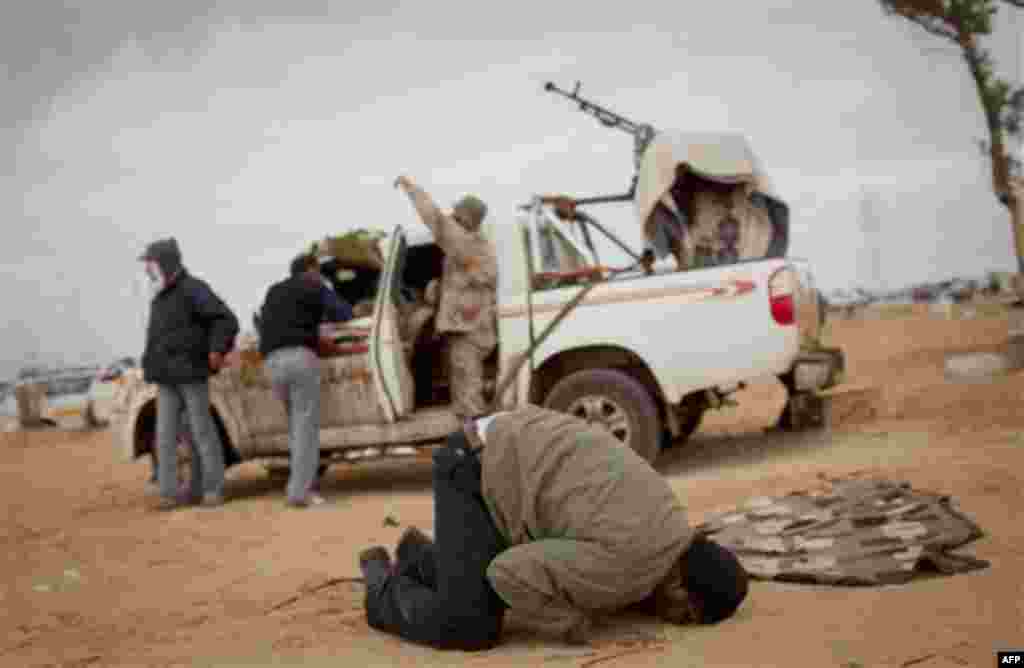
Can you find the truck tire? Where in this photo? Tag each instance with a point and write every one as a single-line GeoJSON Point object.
{"type": "Point", "coordinates": [615, 401]}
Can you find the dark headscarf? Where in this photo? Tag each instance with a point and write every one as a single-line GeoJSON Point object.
{"type": "Point", "coordinates": [716, 576]}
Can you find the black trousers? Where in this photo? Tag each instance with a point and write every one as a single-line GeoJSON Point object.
{"type": "Point", "coordinates": [442, 598]}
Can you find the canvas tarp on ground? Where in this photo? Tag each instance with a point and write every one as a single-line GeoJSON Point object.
{"type": "Point", "coordinates": [851, 532]}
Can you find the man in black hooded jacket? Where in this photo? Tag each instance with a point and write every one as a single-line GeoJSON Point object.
{"type": "Point", "coordinates": [190, 330]}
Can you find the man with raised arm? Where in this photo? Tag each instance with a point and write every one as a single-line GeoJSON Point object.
{"type": "Point", "coordinates": [467, 313]}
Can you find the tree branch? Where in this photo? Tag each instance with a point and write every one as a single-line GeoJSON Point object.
{"type": "Point", "coordinates": [931, 19]}
{"type": "Point", "coordinates": [934, 26]}
{"type": "Point", "coordinates": [963, 22]}
{"type": "Point", "coordinates": [1000, 164]}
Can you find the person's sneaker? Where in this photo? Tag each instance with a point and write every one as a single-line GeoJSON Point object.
{"type": "Point", "coordinates": [213, 500]}
{"type": "Point", "coordinates": [189, 499]}
{"type": "Point", "coordinates": [375, 564]}
{"type": "Point", "coordinates": [410, 544]}
{"type": "Point", "coordinates": [167, 503]}
{"type": "Point", "coordinates": [308, 501]}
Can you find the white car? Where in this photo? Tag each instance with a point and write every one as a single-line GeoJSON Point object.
{"type": "Point", "coordinates": [104, 391]}
{"type": "Point", "coordinates": [64, 394]}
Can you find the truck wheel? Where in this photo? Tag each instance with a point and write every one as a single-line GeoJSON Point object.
{"type": "Point", "coordinates": [614, 401]}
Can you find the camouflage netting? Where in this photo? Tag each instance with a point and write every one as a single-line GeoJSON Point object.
{"type": "Point", "coordinates": [853, 532]}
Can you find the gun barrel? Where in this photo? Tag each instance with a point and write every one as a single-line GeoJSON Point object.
{"type": "Point", "coordinates": [642, 133]}
{"type": "Point", "coordinates": [606, 117]}
{"type": "Point", "coordinates": [550, 87]}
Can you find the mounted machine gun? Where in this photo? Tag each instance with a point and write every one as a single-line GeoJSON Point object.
{"type": "Point", "coordinates": [642, 133]}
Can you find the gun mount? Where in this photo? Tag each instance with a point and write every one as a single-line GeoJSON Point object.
{"type": "Point", "coordinates": [642, 133]}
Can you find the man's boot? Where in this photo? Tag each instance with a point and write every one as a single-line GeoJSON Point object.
{"type": "Point", "coordinates": [414, 557]}
{"type": "Point", "coordinates": [376, 567]}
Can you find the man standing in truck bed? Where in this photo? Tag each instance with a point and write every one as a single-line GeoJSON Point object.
{"type": "Point", "coordinates": [467, 315]}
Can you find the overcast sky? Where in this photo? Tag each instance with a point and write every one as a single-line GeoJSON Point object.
{"type": "Point", "coordinates": [252, 128]}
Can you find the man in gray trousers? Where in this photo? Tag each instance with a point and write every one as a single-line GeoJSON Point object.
{"type": "Point", "coordinates": [190, 329]}
{"type": "Point", "coordinates": [290, 344]}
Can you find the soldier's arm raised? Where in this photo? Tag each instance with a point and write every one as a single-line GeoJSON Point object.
{"type": "Point", "coordinates": [425, 206]}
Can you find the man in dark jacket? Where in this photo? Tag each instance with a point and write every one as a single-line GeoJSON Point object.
{"type": "Point", "coordinates": [537, 511]}
{"type": "Point", "coordinates": [190, 330]}
{"type": "Point", "coordinates": [290, 342]}
{"type": "Point", "coordinates": [336, 309]}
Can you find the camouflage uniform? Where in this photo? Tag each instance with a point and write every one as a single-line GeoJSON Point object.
{"type": "Point", "coordinates": [467, 313]}
{"type": "Point", "coordinates": [591, 527]}
{"type": "Point", "coordinates": [688, 222]}
{"type": "Point", "coordinates": [855, 532]}
{"type": "Point", "coordinates": [715, 203]}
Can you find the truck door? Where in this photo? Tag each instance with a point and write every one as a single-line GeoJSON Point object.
{"type": "Point", "coordinates": [388, 361]}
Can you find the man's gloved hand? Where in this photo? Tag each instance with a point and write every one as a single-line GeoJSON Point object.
{"type": "Point", "coordinates": [403, 182]}
{"type": "Point", "coordinates": [363, 309]}
{"type": "Point", "coordinates": [326, 347]}
{"type": "Point", "coordinates": [647, 260]}
{"type": "Point", "coordinates": [565, 207]}
{"type": "Point", "coordinates": [216, 361]}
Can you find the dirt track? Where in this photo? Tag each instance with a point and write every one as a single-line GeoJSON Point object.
{"type": "Point", "coordinates": [93, 577]}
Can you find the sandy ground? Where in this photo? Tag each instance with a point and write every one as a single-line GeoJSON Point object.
{"type": "Point", "coordinates": [93, 577]}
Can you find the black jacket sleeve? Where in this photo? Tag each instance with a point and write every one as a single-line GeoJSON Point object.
{"type": "Point", "coordinates": [220, 323]}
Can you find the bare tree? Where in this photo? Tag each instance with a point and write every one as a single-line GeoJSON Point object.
{"type": "Point", "coordinates": [964, 23]}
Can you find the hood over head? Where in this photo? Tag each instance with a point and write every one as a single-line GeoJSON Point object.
{"type": "Point", "coordinates": [166, 254]}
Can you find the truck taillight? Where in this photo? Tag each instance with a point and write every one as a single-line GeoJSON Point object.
{"type": "Point", "coordinates": [782, 288]}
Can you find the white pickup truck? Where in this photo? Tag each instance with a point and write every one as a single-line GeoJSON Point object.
{"type": "Point", "coordinates": [644, 354]}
